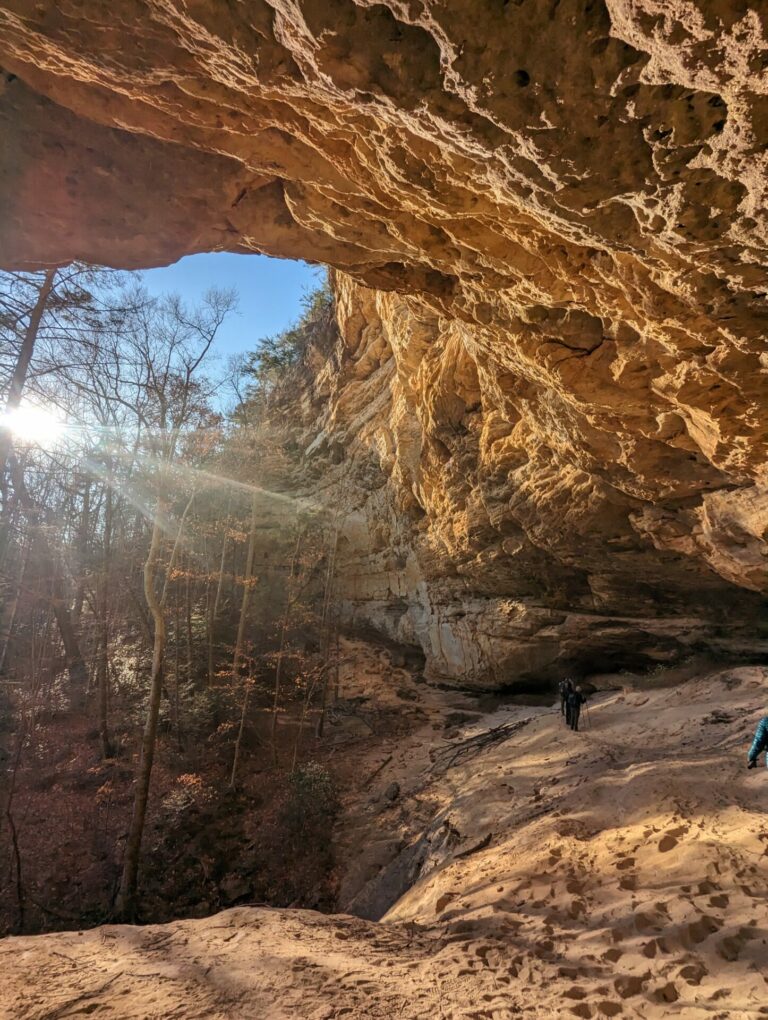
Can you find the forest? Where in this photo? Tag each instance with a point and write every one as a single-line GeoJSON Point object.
{"type": "Point", "coordinates": [168, 615]}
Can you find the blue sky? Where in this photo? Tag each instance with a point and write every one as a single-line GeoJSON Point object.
{"type": "Point", "coordinates": [269, 291]}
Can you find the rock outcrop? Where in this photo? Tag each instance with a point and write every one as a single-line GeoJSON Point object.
{"type": "Point", "coordinates": [547, 416]}
{"type": "Point", "coordinates": [511, 527]}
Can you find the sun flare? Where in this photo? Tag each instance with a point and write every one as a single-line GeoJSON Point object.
{"type": "Point", "coordinates": [38, 426]}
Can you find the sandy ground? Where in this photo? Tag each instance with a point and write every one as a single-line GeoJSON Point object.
{"type": "Point", "coordinates": [620, 871]}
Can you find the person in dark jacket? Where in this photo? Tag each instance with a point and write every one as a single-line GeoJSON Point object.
{"type": "Point", "coordinates": [565, 687]}
{"type": "Point", "coordinates": [575, 700]}
{"type": "Point", "coordinates": [760, 743]}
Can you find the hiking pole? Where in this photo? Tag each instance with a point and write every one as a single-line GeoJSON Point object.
{"type": "Point", "coordinates": [586, 711]}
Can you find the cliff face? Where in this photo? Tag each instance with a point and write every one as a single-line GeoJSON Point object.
{"type": "Point", "coordinates": [511, 526]}
{"type": "Point", "coordinates": [547, 414]}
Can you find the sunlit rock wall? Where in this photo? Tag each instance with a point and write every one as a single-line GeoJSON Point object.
{"type": "Point", "coordinates": [551, 404]}
{"type": "Point", "coordinates": [498, 520]}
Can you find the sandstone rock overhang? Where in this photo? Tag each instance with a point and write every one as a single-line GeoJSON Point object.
{"type": "Point", "coordinates": [566, 203]}
{"type": "Point", "coordinates": [399, 140]}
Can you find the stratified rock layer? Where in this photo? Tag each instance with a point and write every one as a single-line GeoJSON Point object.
{"type": "Point", "coordinates": [550, 395]}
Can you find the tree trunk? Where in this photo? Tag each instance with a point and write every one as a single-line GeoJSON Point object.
{"type": "Point", "coordinates": [188, 620]}
{"type": "Point", "coordinates": [78, 672]}
{"type": "Point", "coordinates": [11, 606]}
{"type": "Point", "coordinates": [236, 758]}
{"type": "Point", "coordinates": [337, 663]}
{"type": "Point", "coordinates": [82, 551]}
{"type": "Point", "coordinates": [8, 519]}
{"type": "Point", "coordinates": [26, 726]}
{"type": "Point", "coordinates": [222, 563]}
{"type": "Point", "coordinates": [125, 906]}
{"type": "Point", "coordinates": [176, 547]}
{"type": "Point", "coordinates": [308, 695]}
{"type": "Point", "coordinates": [233, 573]}
{"type": "Point", "coordinates": [283, 632]}
{"type": "Point", "coordinates": [21, 369]}
{"type": "Point", "coordinates": [141, 610]}
{"type": "Point", "coordinates": [175, 721]}
{"type": "Point", "coordinates": [209, 630]}
{"type": "Point", "coordinates": [208, 614]}
{"type": "Point", "coordinates": [241, 634]}
{"type": "Point", "coordinates": [246, 590]}
{"type": "Point", "coordinates": [326, 625]}
{"type": "Point", "coordinates": [102, 670]}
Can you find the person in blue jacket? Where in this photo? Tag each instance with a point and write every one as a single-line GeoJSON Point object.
{"type": "Point", "coordinates": [760, 743]}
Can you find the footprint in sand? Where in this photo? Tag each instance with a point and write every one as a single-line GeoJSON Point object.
{"type": "Point", "coordinates": [608, 1008]}
{"type": "Point", "coordinates": [700, 930]}
{"type": "Point", "coordinates": [577, 908]}
{"type": "Point", "coordinates": [679, 831]}
{"type": "Point", "coordinates": [707, 887]}
{"type": "Point", "coordinates": [628, 985]}
{"type": "Point", "coordinates": [650, 949]}
{"type": "Point", "coordinates": [575, 993]}
{"type": "Point", "coordinates": [612, 955]}
{"type": "Point", "coordinates": [483, 950]}
{"type": "Point", "coordinates": [646, 922]}
{"type": "Point", "coordinates": [568, 972]}
{"type": "Point", "coordinates": [693, 973]}
{"type": "Point", "coordinates": [667, 993]}
{"type": "Point", "coordinates": [731, 946]}
{"type": "Point", "coordinates": [443, 901]}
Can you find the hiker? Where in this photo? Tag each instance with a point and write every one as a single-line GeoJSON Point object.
{"type": "Point", "coordinates": [575, 700]}
{"type": "Point", "coordinates": [565, 687]}
{"type": "Point", "coordinates": [760, 743]}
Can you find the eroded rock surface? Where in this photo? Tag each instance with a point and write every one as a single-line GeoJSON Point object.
{"type": "Point", "coordinates": [511, 527]}
{"type": "Point", "coordinates": [548, 411]}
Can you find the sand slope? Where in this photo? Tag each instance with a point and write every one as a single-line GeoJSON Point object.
{"type": "Point", "coordinates": [625, 874]}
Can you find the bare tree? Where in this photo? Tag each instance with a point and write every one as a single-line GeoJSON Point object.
{"type": "Point", "coordinates": [26, 350]}
{"type": "Point", "coordinates": [237, 657]}
{"type": "Point", "coordinates": [166, 348]}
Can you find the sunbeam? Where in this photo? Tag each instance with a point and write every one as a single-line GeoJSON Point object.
{"type": "Point", "coordinates": [36, 426]}
{"type": "Point", "coordinates": [300, 504]}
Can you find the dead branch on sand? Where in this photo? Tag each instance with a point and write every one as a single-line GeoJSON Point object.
{"type": "Point", "coordinates": [456, 754]}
